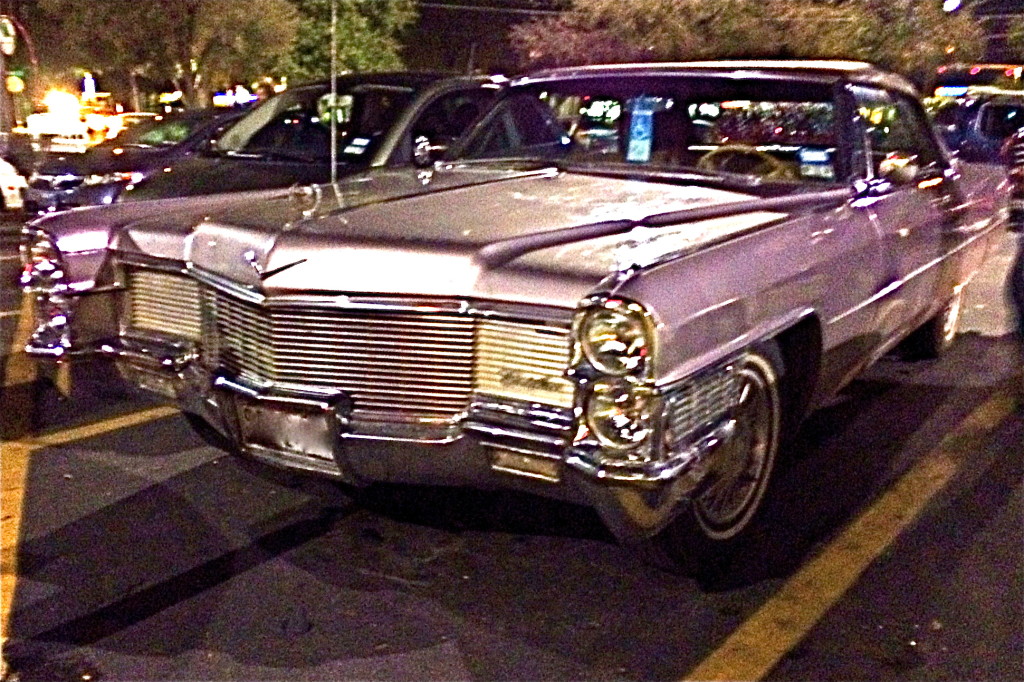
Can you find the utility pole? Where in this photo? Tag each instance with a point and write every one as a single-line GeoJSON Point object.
{"type": "Point", "coordinates": [8, 41]}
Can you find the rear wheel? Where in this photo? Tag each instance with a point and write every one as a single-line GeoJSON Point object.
{"type": "Point", "coordinates": [715, 528]}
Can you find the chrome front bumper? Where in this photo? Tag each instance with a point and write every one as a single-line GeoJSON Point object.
{"type": "Point", "coordinates": [495, 444]}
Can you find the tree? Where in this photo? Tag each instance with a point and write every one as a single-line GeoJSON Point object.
{"type": "Point", "coordinates": [1015, 39]}
{"type": "Point", "coordinates": [197, 44]}
{"type": "Point", "coordinates": [909, 36]}
{"type": "Point", "coordinates": [368, 33]}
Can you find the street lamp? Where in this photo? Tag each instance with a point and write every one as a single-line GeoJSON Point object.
{"type": "Point", "coordinates": [951, 5]}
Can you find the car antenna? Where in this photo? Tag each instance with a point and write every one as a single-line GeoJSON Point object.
{"type": "Point", "coordinates": [334, 96]}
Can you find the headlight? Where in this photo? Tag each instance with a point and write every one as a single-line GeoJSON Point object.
{"type": "Point", "coordinates": [620, 414]}
{"type": "Point", "coordinates": [108, 178]}
{"type": "Point", "coordinates": [616, 337]}
{"type": "Point", "coordinates": [42, 260]}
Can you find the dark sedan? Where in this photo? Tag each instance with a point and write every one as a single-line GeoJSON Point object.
{"type": "Point", "coordinates": [100, 174]}
{"type": "Point", "coordinates": [977, 124]}
{"type": "Point", "coordinates": [383, 119]}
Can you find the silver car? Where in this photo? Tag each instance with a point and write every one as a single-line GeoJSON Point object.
{"type": "Point", "coordinates": [625, 287]}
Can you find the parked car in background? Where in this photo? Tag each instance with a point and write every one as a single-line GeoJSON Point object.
{"type": "Point", "coordinates": [100, 174]}
{"type": "Point", "coordinates": [118, 123]}
{"type": "Point", "coordinates": [11, 185]}
{"type": "Point", "coordinates": [977, 124]}
{"type": "Point", "coordinates": [286, 140]}
{"type": "Point", "coordinates": [625, 287]}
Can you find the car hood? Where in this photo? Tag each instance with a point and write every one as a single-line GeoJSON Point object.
{"type": "Point", "coordinates": [204, 175]}
{"type": "Point", "coordinates": [103, 160]}
{"type": "Point", "coordinates": [425, 233]}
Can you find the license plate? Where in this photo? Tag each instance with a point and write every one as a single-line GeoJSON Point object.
{"type": "Point", "coordinates": [150, 381]}
{"type": "Point", "coordinates": [307, 433]}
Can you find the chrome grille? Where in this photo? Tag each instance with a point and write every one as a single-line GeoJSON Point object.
{"type": "Point", "coordinates": [394, 365]}
{"type": "Point", "coordinates": [164, 302]}
{"type": "Point", "coordinates": [411, 367]}
{"type": "Point", "coordinates": [523, 361]}
{"type": "Point", "coordinates": [699, 403]}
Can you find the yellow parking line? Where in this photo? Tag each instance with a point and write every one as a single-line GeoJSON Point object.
{"type": "Point", "coordinates": [14, 459]}
{"type": "Point", "coordinates": [753, 649]}
{"type": "Point", "coordinates": [19, 368]}
{"type": "Point", "coordinates": [13, 469]}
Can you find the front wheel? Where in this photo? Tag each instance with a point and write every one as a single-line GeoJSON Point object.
{"type": "Point", "coordinates": [933, 338]}
{"type": "Point", "coordinates": [714, 528]}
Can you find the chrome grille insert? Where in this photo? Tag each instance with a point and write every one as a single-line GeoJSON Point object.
{"type": "Point", "coordinates": [699, 403]}
{"type": "Point", "coordinates": [164, 302]}
{"type": "Point", "coordinates": [523, 361]}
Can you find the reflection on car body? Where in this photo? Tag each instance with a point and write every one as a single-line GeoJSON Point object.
{"type": "Point", "coordinates": [623, 288]}
{"type": "Point", "coordinates": [978, 123]}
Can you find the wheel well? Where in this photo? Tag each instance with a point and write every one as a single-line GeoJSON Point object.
{"type": "Point", "coordinates": [800, 346]}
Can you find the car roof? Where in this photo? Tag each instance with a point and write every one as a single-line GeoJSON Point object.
{"type": "Point", "coordinates": [205, 113]}
{"type": "Point", "coordinates": [412, 79]}
{"type": "Point", "coordinates": [809, 70]}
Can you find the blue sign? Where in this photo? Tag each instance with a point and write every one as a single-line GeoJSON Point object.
{"type": "Point", "coordinates": [641, 130]}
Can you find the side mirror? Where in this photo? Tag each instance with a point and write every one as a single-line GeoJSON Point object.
{"type": "Point", "coordinates": [424, 153]}
{"type": "Point", "coordinates": [899, 168]}
{"type": "Point", "coordinates": [207, 146]}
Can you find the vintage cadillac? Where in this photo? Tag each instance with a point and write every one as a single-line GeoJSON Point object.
{"type": "Point", "coordinates": [624, 287]}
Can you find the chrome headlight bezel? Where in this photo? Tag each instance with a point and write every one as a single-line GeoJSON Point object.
{"type": "Point", "coordinates": [616, 337]}
{"type": "Point", "coordinates": [621, 414]}
{"type": "Point", "coordinates": [43, 267]}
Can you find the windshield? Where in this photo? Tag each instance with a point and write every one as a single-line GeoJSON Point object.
{"type": "Point", "coordinates": [762, 129]}
{"type": "Point", "coordinates": [160, 132]}
{"type": "Point", "coordinates": [297, 123]}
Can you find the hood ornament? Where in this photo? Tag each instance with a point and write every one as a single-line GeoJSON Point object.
{"type": "Point", "coordinates": [307, 198]}
{"type": "Point", "coordinates": [253, 260]}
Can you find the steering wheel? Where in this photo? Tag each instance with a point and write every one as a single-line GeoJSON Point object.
{"type": "Point", "coordinates": [743, 158]}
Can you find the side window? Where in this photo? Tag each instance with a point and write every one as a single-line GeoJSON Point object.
{"type": "Point", "coordinates": [999, 121]}
{"type": "Point", "coordinates": [894, 127]}
{"type": "Point", "coordinates": [296, 132]}
{"type": "Point", "coordinates": [522, 125]}
{"type": "Point", "coordinates": [450, 115]}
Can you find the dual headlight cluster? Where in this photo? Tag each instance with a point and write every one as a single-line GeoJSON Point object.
{"type": "Point", "coordinates": [616, 339]}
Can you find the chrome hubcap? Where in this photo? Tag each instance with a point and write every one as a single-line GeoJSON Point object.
{"type": "Point", "coordinates": [743, 467]}
{"type": "Point", "coordinates": [951, 317]}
